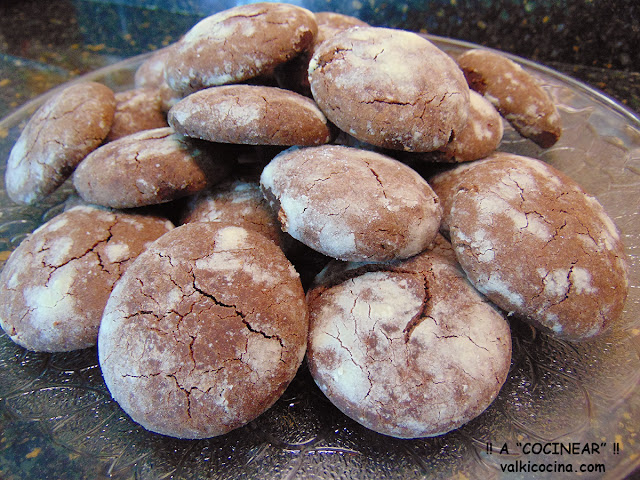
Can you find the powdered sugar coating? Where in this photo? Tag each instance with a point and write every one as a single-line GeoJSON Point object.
{"type": "Point", "coordinates": [481, 134]}
{"type": "Point", "coordinates": [147, 168]}
{"type": "Point", "coordinates": [237, 44]}
{"type": "Point", "coordinates": [250, 114]}
{"type": "Point", "coordinates": [317, 193]}
{"type": "Point", "coordinates": [516, 94]}
{"type": "Point", "coordinates": [204, 332]}
{"type": "Point", "coordinates": [150, 73]}
{"type": "Point", "coordinates": [57, 137]}
{"type": "Point", "coordinates": [389, 88]}
{"type": "Point", "coordinates": [136, 110]}
{"type": "Point", "coordinates": [408, 349]}
{"type": "Point", "coordinates": [479, 138]}
{"type": "Point", "coordinates": [56, 283]}
{"type": "Point", "coordinates": [536, 244]}
{"type": "Point", "coordinates": [239, 202]}
{"type": "Point", "coordinates": [293, 74]}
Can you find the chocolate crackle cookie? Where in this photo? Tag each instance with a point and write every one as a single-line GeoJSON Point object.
{"type": "Point", "coordinates": [57, 137]}
{"type": "Point", "coordinates": [515, 93]}
{"type": "Point", "coordinates": [237, 44]}
{"type": "Point", "coordinates": [536, 244]}
{"type": "Point", "coordinates": [204, 332]}
{"type": "Point", "coordinates": [238, 202]}
{"type": "Point", "coordinates": [318, 194]}
{"type": "Point", "coordinates": [137, 109]}
{"type": "Point", "coordinates": [149, 167]}
{"type": "Point", "coordinates": [250, 114]}
{"type": "Point", "coordinates": [408, 349]}
{"type": "Point", "coordinates": [390, 88]}
{"type": "Point", "coordinates": [55, 285]}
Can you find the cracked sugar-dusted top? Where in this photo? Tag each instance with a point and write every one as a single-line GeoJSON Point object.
{"type": "Point", "coordinates": [56, 283]}
{"type": "Point", "coordinates": [147, 168]}
{"type": "Point", "coordinates": [239, 202]}
{"type": "Point", "coordinates": [137, 109]}
{"type": "Point", "coordinates": [536, 244]}
{"type": "Point", "coordinates": [57, 137]}
{"type": "Point", "coordinates": [515, 93]}
{"type": "Point", "coordinates": [204, 332]}
{"type": "Point", "coordinates": [352, 204]}
{"type": "Point", "coordinates": [408, 349]}
{"type": "Point", "coordinates": [238, 44]}
{"type": "Point", "coordinates": [250, 114]}
{"type": "Point", "coordinates": [389, 88]}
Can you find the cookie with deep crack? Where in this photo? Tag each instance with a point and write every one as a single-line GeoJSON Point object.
{"type": "Point", "coordinates": [351, 204]}
{"type": "Point", "coordinates": [148, 168]}
{"type": "Point", "coordinates": [137, 109]}
{"type": "Point", "coordinates": [516, 94]}
{"type": "Point", "coordinates": [536, 244]}
{"type": "Point", "coordinates": [390, 88]}
{"type": "Point", "coordinates": [250, 114]}
{"type": "Point", "coordinates": [64, 130]}
{"type": "Point", "coordinates": [408, 349]}
{"type": "Point", "coordinates": [55, 285]}
{"type": "Point", "coordinates": [204, 332]}
{"type": "Point", "coordinates": [237, 44]}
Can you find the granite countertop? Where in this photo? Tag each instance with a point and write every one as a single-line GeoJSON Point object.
{"type": "Point", "coordinates": [43, 44]}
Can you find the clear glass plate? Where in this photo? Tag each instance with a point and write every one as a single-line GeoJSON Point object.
{"type": "Point", "coordinates": [564, 406]}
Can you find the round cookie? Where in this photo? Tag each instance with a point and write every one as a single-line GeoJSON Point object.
{"type": "Point", "coordinates": [237, 202]}
{"type": "Point", "coordinates": [204, 332]}
{"type": "Point", "coordinates": [351, 204]}
{"type": "Point", "coordinates": [147, 168]}
{"type": "Point", "coordinates": [390, 88]}
{"type": "Point", "coordinates": [136, 110]}
{"type": "Point", "coordinates": [515, 93]}
{"type": "Point", "coordinates": [57, 137]}
{"type": "Point", "coordinates": [536, 244]}
{"type": "Point", "coordinates": [408, 349]}
{"type": "Point", "coordinates": [237, 44]}
{"type": "Point", "coordinates": [250, 114]}
{"type": "Point", "coordinates": [55, 285]}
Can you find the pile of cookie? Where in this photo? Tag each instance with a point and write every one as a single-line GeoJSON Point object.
{"type": "Point", "coordinates": [279, 143]}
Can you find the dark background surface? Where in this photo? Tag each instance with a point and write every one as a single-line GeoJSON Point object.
{"type": "Point", "coordinates": [44, 43]}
